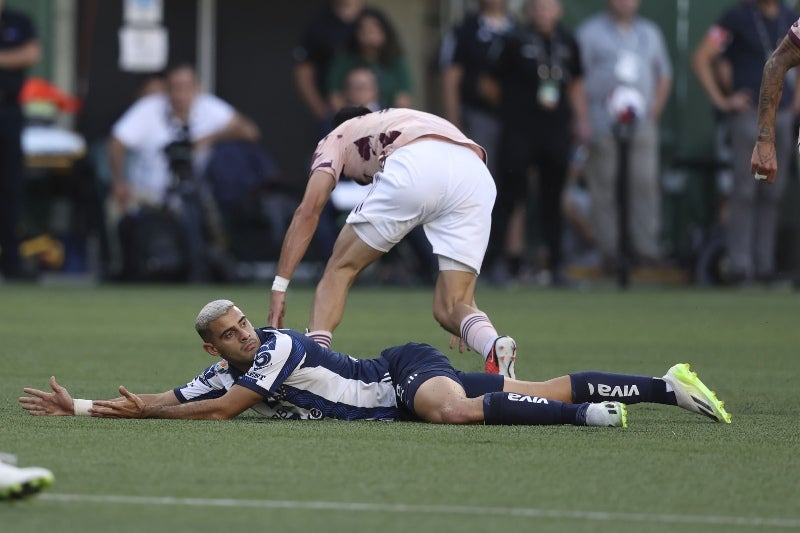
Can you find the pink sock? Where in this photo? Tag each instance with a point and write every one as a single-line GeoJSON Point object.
{"type": "Point", "coordinates": [478, 332]}
{"type": "Point", "coordinates": [321, 337]}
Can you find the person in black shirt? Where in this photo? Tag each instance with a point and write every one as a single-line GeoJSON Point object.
{"type": "Point", "coordinates": [324, 36]}
{"type": "Point", "coordinates": [745, 36]}
{"type": "Point", "coordinates": [19, 50]}
{"type": "Point", "coordinates": [468, 56]}
{"type": "Point", "coordinates": [544, 114]}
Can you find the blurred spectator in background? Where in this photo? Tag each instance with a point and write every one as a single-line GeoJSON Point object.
{"type": "Point", "coordinates": [361, 89]}
{"type": "Point", "coordinates": [324, 36]}
{"type": "Point", "coordinates": [168, 137]}
{"type": "Point", "coordinates": [468, 55]}
{"type": "Point", "coordinates": [373, 44]}
{"type": "Point", "coordinates": [745, 36]}
{"type": "Point", "coordinates": [152, 84]}
{"type": "Point", "coordinates": [545, 113]}
{"type": "Point", "coordinates": [620, 49]}
{"type": "Point", "coordinates": [19, 50]}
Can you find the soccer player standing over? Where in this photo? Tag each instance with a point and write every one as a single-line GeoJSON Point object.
{"type": "Point", "coordinates": [763, 163]}
{"type": "Point", "coordinates": [422, 171]}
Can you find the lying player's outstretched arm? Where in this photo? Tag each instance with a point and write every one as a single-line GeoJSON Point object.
{"type": "Point", "coordinates": [60, 402]}
{"type": "Point", "coordinates": [237, 400]}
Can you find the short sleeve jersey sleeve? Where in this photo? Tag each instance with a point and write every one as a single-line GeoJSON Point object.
{"type": "Point", "coordinates": [274, 362]}
{"type": "Point", "coordinates": [139, 124]}
{"type": "Point", "coordinates": [209, 115]}
{"type": "Point", "coordinates": [213, 382]}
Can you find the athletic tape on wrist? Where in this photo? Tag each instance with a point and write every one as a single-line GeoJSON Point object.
{"type": "Point", "coordinates": [81, 407]}
{"type": "Point", "coordinates": [280, 284]}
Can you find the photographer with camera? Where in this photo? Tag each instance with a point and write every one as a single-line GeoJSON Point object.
{"type": "Point", "coordinates": [157, 152]}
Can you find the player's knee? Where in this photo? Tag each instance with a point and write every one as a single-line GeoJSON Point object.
{"type": "Point", "coordinates": [452, 413]}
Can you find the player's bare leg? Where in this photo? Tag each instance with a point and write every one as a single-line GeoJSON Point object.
{"type": "Point", "coordinates": [454, 308]}
{"type": "Point", "coordinates": [350, 256]}
{"type": "Point", "coordinates": [441, 400]}
{"type": "Point", "coordinates": [559, 388]}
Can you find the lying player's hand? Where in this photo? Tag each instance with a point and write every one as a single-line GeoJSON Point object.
{"type": "Point", "coordinates": [130, 406]}
{"type": "Point", "coordinates": [40, 403]}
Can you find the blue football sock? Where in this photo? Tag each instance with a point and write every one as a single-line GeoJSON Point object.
{"type": "Point", "coordinates": [509, 408]}
{"type": "Point", "coordinates": [601, 386]}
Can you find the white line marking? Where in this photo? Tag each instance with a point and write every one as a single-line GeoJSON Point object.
{"type": "Point", "coordinates": [430, 509]}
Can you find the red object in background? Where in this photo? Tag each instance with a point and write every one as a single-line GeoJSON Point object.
{"type": "Point", "coordinates": [39, 89]}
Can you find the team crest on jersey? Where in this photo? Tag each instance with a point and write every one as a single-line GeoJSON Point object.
{"type": "Point", "coordinates": [263, 357]}
{"type": "Point", "coordinates": [221, 367]}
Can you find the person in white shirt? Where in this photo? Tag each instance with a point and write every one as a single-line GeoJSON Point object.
{"type": "Point", "coordinates": [155, 121]}
{"type": "Point", "coordinates": [145, 144]}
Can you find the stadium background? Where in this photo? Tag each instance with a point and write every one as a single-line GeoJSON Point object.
{"type": "Point", "coordinates": [243, 51]}
{"type": "Point", "coordinates": [669, 471]}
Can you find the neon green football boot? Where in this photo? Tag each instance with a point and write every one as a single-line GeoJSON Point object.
{"type": "Point", "coordinates": [693, 395]}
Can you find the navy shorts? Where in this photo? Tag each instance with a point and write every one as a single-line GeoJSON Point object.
{"type": "Point", "coordinates": [412, 364]}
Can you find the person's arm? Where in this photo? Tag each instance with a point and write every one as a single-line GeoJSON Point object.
{"type": "Point", "coordinates": [703, 60]}
{"type": "Point", "coordinates": [576, 92]}
{"type": "Point", "coordinates": [451, 98]}
{"type": "Point", "coordinates": [336, 101]}
{"type": "Point", "coordinates": [237, 400]}
{"type": "Point", "coordinates": [60, 402]}
{"type": "Point", "coordinates": [297, 239]}
{"type": "Point", "coordinates": [305, 80]}
{"type": "Point", "coordinates": [763, 162]}
{"type": "Point", "coordinates": [238, 128]}
{"type": "Point", "coordinates": [20, 57]}
{"type": "Point", "coordinates": [663, 88]}
{"type": "Point", "coordinates": [120, 189]}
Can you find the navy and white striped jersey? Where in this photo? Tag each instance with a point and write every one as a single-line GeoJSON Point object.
{"type": "Point", "coordinates": [299, 379]}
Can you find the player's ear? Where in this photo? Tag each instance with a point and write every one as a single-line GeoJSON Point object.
{"type": "Point", "coordinates": [211, 350]}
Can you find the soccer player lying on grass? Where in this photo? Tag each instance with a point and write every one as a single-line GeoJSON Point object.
{"type": "Point", "coordinates": [284, 374]}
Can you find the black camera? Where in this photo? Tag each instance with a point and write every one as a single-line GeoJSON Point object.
{"type": "Point", "coordinates": [179, 155]}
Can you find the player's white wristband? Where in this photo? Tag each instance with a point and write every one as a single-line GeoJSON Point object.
{"type": "Point", "coordinates": [760, 177]}
{"type": "Point", "coordinates": [81, 407]}
{"type": "Point", "coordinates": [280, 284]}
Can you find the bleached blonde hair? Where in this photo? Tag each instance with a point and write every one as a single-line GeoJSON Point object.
{"type": "Point", "coordinates": [209, 313]}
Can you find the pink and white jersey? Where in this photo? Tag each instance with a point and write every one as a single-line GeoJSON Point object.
{"type": "Point", "coordinates": [359, 146]}
{"type": "Point", "coordinates": [794, 32]}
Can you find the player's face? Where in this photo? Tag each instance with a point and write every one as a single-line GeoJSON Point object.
{"type": "Point", "coordinates": [234, 338]}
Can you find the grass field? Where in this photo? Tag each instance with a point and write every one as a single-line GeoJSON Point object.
{"type": "Point", "coordinates": [669, 471]}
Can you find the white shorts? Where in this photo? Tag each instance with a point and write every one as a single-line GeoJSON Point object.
{"type": "Point", "coordinates": [444, 187]}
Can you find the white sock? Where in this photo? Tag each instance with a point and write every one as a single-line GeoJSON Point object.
{"type": "Point", "coordinates": [478, 332]}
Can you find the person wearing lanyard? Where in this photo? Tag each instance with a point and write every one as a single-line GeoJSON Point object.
{"type": "Point", "coordinates": [19, 50]}
{"type": "Point", "coordinates": [622, 51]}
{"type": "Point", "coordinates": [544, 114]}
{"type": "Point", "coordinates": [744, 38]}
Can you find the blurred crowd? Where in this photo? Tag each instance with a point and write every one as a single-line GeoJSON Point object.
{"type": "Point", "coordinates": [569, 119]}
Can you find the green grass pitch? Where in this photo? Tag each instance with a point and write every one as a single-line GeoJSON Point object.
{"type": "Point", "coordinates": [669, 471]}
